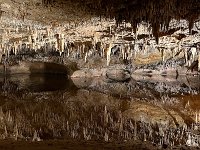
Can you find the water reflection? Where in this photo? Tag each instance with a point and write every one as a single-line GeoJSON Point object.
{"type": "Point", "coordinates": [98, 110]}
{"type": "Point", "coordinates": [143, 87]}
{"type": "Point", "coordinates": [35, 83]}
{"type": "Point", "coordinates": [171, 84]}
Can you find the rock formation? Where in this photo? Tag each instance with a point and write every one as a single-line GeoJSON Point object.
{"type": "Point", "coordinates": [99, 42]}
{"type": "Point", "coordinates": [138, 51]}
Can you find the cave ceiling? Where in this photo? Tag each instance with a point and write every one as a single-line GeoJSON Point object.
{"type": "Point", "coordinates": [158, 13]}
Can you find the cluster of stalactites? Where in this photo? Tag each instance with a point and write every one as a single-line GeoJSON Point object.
{"type": "Point", "coordinates": [157, 12]}
{"type": "Point", "coordinates": [37, 39]}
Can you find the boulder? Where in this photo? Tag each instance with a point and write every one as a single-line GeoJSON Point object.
{"type": "Point", "coordinates": [81, 73]}
{"type": "Point", "coordinates": [118, 75]}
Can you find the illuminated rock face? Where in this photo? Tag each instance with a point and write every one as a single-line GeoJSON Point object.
{"type": "Point", "coordinates": [98, 42]}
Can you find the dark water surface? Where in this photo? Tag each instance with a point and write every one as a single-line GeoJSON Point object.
{"type": "Point", "coordinates": [162, 110]}
{"type": "Point", "coordinates": [35, 83]}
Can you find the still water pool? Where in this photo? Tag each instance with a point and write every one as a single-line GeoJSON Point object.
{"type": "Point", "coordinates": [162, 110]}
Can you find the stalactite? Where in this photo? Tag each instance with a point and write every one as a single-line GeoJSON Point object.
{"type": "Point", "coordinates": [136, 50]}
{"type": "Point", "coordinates": [8, 51]}
{"type": "Point", "coordinates": [86, 55]}
{"type": "Point", "coordinates": [83, 48]}
{"type": "Point", "coordinates": [199, 62]}
{"type": "Point", "coordinates": [109, 53]}
{"type": "Point", "coordinates": [163, 54]}
{"type": "Point", "coordinates": [155, 12]}
{"type": "Point", "coordinates": [56, 45]}
{"type": "Point", "coordinates": [62, 43]}
{"type": "Point", "coordinates": [123, 52]}
{"type": "Point", "coordinates": [15, 47]}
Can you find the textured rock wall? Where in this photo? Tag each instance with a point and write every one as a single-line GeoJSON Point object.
{"type": "Point", "coordinates": [95, 41]}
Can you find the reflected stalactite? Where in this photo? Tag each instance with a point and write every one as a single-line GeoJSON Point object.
{"type": "Point", "coordinates": [90, 115]}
